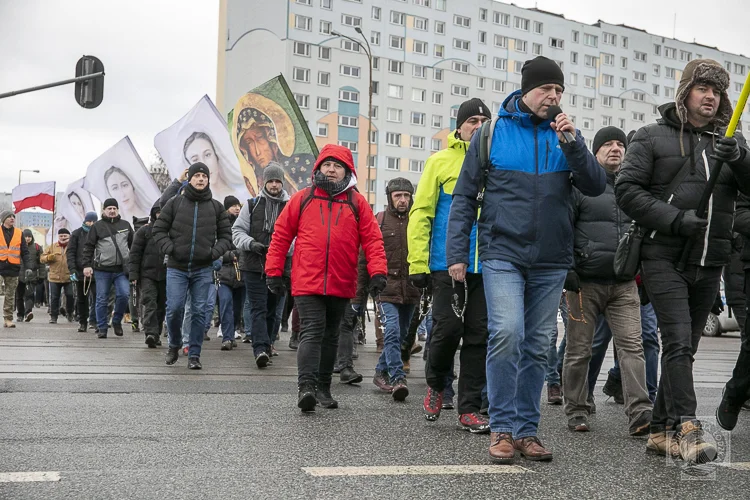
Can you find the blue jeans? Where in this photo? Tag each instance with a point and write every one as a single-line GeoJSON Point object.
{"type": "Point", "coordinates": [521, 306]}
{"type": "Point", "coordinates": [104, 281]}
{"type": "Point", "coordinates": [231, 302]}
{"type": "Point", "coordinates": [262, 309]}
{"type": "Point", "coordinates": [206, 316]}
{"type": "Point", "coordinates": [274, 335]}
{"type": "Point", "coordinates": [397, 318]}
{"type": "Point", "coordinates": [553, 373]}
{"type": "Point", "coordinates": [426, 324]}
{"type": "Point", "coordinates": [198, 283]}
{"type": "Point", "coordinates": [247, 316]}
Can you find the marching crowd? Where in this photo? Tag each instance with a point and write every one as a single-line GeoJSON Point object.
{"type": "Point", "coordinates": [515, 220]}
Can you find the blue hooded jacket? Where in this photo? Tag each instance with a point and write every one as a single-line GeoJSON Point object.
{"type": "Point", "coordinates": [525, 218]}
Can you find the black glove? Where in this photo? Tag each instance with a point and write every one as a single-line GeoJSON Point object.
{"type": "Point", "coordinates": [421, 280]}
{"type": "Point", "coordinates": [688, 224]}
{"type": "Point", "coordinates": [276, 285]}
{"type": "Point", "coordinates": [572, 282]}
{"type": "Point", "coordinates": [726, 150]}
{"type": "Point", "coordinates": [258, 248]}
{"type": "Point", "coordinates": [718, 306]}
{"type": "Point", "coordinates": [377, 284]}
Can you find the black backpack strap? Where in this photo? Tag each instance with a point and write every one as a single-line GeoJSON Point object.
{"type": "Point", "coordinates": [352, 205]}
{"type": "Point", "coordinates": [485, 145]}
{"type": "Point", "coordinates": [306, 201]}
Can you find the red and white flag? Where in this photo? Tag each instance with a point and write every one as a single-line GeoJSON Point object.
{"type": "Point", "coordinates": [35, 194]}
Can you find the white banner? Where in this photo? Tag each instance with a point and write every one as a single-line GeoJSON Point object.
{"type": "Point", "coordinates": [120, 174]}
{"type": "Point", "coordinates": [202, 136]}
{"type": "Point", "coordinates": [74, 204]}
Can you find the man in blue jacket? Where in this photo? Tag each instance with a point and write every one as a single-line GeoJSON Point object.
{"type": "Point", "coordinates": [525, 245]}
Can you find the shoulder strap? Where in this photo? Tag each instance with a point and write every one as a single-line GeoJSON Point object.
{"type": "Point", "coordinates": [672, 187]}
{"type": "Point", "coordinates": [306, 201]}
{"type": "Point", "coordinates": [114, 242]}
{"type": "Point", "coordinates": [380, 217]}
{"type": "Point", "coordinates": [352, 205]}
{"type": "Point", "coordinates": [485, 145]}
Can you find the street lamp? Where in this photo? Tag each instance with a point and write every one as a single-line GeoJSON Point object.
{"type": "Point", "coordinates": [19, 174]}
{"type": "Point", "coordinates": [368, 51]}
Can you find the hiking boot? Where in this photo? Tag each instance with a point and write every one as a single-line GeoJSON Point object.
{"type": "Point", "coordinates": [659, 442]}
{"type": "Point", "coordinates": [306, 397]}
{"type": "Point", "coordinates": [578, 423]}
{"type": "Point", "coordinates": [194, 363]}
{"type": "Point", "coordinates": [640, 426]}
{"type": "Point", "coordinates": [52, 321]}
{"type": "Point", "coordinates": [502, 450]}
{"type": "Point", "coordinates": [727, 413]}
{"type": "Point", "coordinates": [117, 327]}
{"type": "Point", "coordinates": [554, 394]}
{"type": "Point", "coordinates": [172, 354]}
{"type": "Point", "coordinates": [9, 324]}
{"type": "Point", "coordinates": [407, 366]}
{"type": "Point", "coordinates": [134, 326]}
{"type": "Point", "coordinates": [29, 316]}
{"type": "Point", "coordinates": [613, 388]}
{"type": "Point", "coordinates": [433, 403]}
{"type": "Point", "coordinates": [261, 359]}
{"type": "Point", "coordinates": [474, 423]}
{"type": "Point", "coordinates": [381, 380]}
{"type": "Point", "coordinates": [226, 345]}
{"type": "Point", "coordinates": [323, 395]}
{"type": "Point", "coordinates": [19, 319]}
{"type": "Point", "coordinates": [400, 390]}
{"type": "Point", "coordinates": [151, 341]}
{"type": "Point", "coordinates": [532, 449]}
{"type": "Point", "coordinates": [82, 327]}
{"type": "Point", "coordinates": [293, 341]}
{"type": "Point", "coordinates": [349, 376]}
{"type": "Point", "coordinates": [692, 446]}
{"type": "Point", "coordinates": [416, 348]}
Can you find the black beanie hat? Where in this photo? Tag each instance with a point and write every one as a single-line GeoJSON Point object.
{"type": "Point", "coordinates": [110, 202]}
{"type": "Point", "coordinates": [540, 71]}
{"type": "Point", "coordinates": [230, 201]}
{"type": "Point", "coordinates": [470, 108]}
{"type": "Point", "coordinates": [63, 231]}
{"type": "Point", "coordinates": [609, 134]}
{"type": "Point", "coordinates": [198, 167]}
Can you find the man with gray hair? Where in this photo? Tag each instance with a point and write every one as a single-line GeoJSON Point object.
{"type": "Point", "coordinates": [12, 249]}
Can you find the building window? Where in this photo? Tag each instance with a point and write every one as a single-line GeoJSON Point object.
{"type": "Point", "coordinates": [521, 24]}
{"type": "Point", "coordinates": [325, 27]}
{"type": "Point", "coordinates": [624, 42]}
{"type": "Point", "coordinates": [588, 124]}
{"type": "Point", "coordinates": [606, 121]}
{"type": "Point", "coordinates": [398, 18]}
{"type": "Point", "coordinates": [483, 37]}
{"type": "Point", "coordinates": [574, 78]}
{"type": "Point", "coordinates": [685, 56]}
{"type": "Point", "coordinates": [439, 51]}
{"type": "Point", "coordinates": [669, 92]}
{"type": "Point", "coordinates": [588, 103]}
{"type": "Point", "coordinates": [607, 101]}
{"type": "Point", "coordinates": [420, 23]}
{"type": "Point", "coordinates": [322, 130]}
{"type": "Point", "coordinates": [419, 71]}
{"type": "Point", "coordinates": [556, 43]}
{"type": "Point", "coordinates": [670, 53]}
{"type": "Point", "coordinates": [351, 146]}
{"type": "Point", "coordinates": [326, 4]}
{"type": "Point", "coordinates": [417, 118]}
{"type": "Point", "coordinates": [608, 59]}
{"type": "Point", "coordinates": [323, 104]}
{"type": "Point", "coordinates": [669, 73]}
{"type": "Point", "coordinates": [623, 104]}
{"type": "Point", "coordinates": [608, 80]}
{"type": "Point", "coordinates": [348, 96]}
{"type": "Point", "coordinates": [640, 56]}
{"type": "Point", "coordinates": [416, 165]}
{"type": "Point", "coordinates": [536, 49]}
{"type": "Point", "coordinates": [374, 112]}
{"type": "Point", "coordinates": [440, 27]}
{"type": "Point", "coordinates": [657, 49]}
{"type": "Point", "coordinates": [437, 74]}
{"type": "Point", "coordinates": [624, 62]}
{"type": "Point", "coordinates": [589, 61]}
{"type": "Point", "coordinates": [657, 70]}
{"type": "Point", "coordinates": [480, 82]}
{"type": "Point", "coordinates": [436, 145]}
{"type": "Point", "coordinates": [460, 67]}
{"type": "Point", "coordinates": [375, 63]}
{"type": "Point", "coordinates": [483, 14]}
{"type": "Point", "coordinates": [639, 77]}
{"type": "Point", "coordinates": [459, 90]}
{"type": "Point", "coordinates": [610, 39]}
{"type": "Point", "coordinates": [590, 40]}
{"type": "Point", "coordinates": [301, 75]}
{"type": "Point", "coordinates": [303, 23]}
{"type": "Point", "coordinates": [461, 44]}
{"type": "Point", "coordinates": [349, 46]}
{"type": "Point", "coordinates": [417, 142]}
{"type": "Point", "coordinates": [418, 95]}
{"type": "Point", "coordinates": [422, 3]}
{"type": "Point", "coordinates": [462, 21]}
{"type": "Point", "coordinates": [372, 163]}
{"type": "Point", "coordinates": [303, 101]}
{"type": "Point", "coordinates": [376, 13]}
{"type": "Point", "coordinates": [574, 36]}
{"type": "Point", "coordinates": [393, 115]}
{"type": "Point", "coordinates": [639, 96]}
{"type": "Point", "coordinates": [623, 83]}
{"type": "Point", "coordinates": [420, 47]}
{"type": "Point", "coordinates": [393, 163]}
{"type": "Point", "coordinates": [393, 139]}
{"type": "Point", "coordinates": [348, 121]}
{"type": "Point", "coordinates": [481, 60]}
{"type": "Point", "coordinates": [301, 49]}
{"type": "Point", "coordinates": [324, 78]}
{"type": "Point", "coordinates": [375, 37]}
{"type": "Point", "coordinates": [501, 41]}
{"type": "Point", "coordinates": [395, 67]}
{"type": "Point", "coordinates": [324, 53]}
{"type": "Point", "coordinates": [639, 117]}
{"type": "Point", "coordinates": [739, 69]}
{"type": "Point", "coordinates": [501, 18]}
{"type": "Point", "coordinates": [498, 86]}
{"type": "Point", "coordinates": [500, 64]}
{"type": "Point", "coordinates": [437, 98]}
{"type": "Point", "coordinates": [375, 87]}
{"type": "Point", "coordinates": [346, 70]}
{"type": "Point", "coordinates": [589, 82]}
{"type": "Point", "coordinates": [395, 91]}
{"type": "Point", "coordinates": [573, 100]}
{"type": "Point", "coordinates": [437, 121]}
{"type": "Point", "coordinates": [517, 67]}
{"type": "Point", "coordinates": [521, 46]}
{"type": "Point", "coordinates": [396, 42]}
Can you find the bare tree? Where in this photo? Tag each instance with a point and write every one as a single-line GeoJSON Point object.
{"type": "Point", "coordinates": [158, 170]}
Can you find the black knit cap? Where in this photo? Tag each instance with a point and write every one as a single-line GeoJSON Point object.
{"type": "Point", "coordinates": [540, 71]}
{"type": "Point", "coordinates": [110, 202]}
{"type": "Point", "coordinates": [472, 107]}
{"type": "Point", "coordinates": [230, 201]}
{"type": "Point", "coordinates": [198, 167]}
{"type": "Point", "coordinates": [63, 231]}
{"type": "Point", "coordinates": [609, 134]}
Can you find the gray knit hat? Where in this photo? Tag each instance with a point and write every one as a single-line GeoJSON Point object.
{"type": "Point", "coordinates": [273, 172]}
{"type": "Point", "coordinates": [5, 214]}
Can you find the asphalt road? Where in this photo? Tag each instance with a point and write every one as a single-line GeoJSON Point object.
{"type": "Point", "coordinates": [87, 418]}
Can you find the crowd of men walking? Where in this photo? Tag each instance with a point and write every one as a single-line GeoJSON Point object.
{"type": "Point", "coordinates": [514, 220]}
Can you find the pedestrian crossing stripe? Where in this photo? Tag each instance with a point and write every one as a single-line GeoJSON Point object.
{"type": "Point", "coordinates": [28, 477]}
{"type": "Point", "coordinates": [415, 470]}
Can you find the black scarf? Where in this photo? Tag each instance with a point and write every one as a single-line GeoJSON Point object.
{"type": "Point", "coordinates": [273, 207]}
{"type": "Point", "coordinates": [193, 194]}
{"type": "Point", "coordinates": [332, 188]}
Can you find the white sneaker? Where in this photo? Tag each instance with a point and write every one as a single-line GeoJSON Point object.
{"type": "Point", "coordinates": [237, 335]}
{"type": "Point", "coordinates": [218, 334]}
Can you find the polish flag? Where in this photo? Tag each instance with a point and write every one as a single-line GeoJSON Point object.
{"type": "Point", "coordinates": [35, 194]}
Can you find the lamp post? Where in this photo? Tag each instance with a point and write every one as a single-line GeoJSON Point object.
{"type": "Point", "coordinates": [19, 174]}
{"type": "Point", "coordinates": [368, 51]}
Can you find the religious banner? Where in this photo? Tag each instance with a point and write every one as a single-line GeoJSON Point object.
{"type": "Point", "coordinates": [266, 125]}
{"type": "Point", "coordinates": [202, 136]}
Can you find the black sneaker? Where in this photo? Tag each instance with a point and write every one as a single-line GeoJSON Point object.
{"type": "Point", "coordinates": [194, 363]}
{"type": "Point", "coordinates": [82, 327]}
{"type": "Point", "coordinates": [247, 340]}
{"type": "Point", "coordinates": [448, 404]}
{"type": "Point", "coordinates": [135, 327]}
{"type": "Point", "coordinates": [294, 341]}
{"type": "Point", "coordinates": [640, 426]}
{"type": "Point", "coordinates": [234, 344]}
{"type": "Point", "coordinates": [226, 345]}
{"type": "Point", "coordinates": [323, 395]}
{"type": "Point", "coordinates": [117, 327]}
{"type": "Point", "coordinates": [29, 316]}
{"type": "Point", "coordinates": [349, 376]}
{"type": "Point", "coordinates": [306, 397]}
{"type": "Point", "coordinates": [578, 424]}
{"type": "Point", "coordinates": [727, 413]}
{"type": "Point", "coordinates": [102, 335]}
{"type": "Point", "coordinates": [613, 388]}
{"type": "Point", "coordinates": [71, 318]}
{"type": "Point", "coordinates": [63, 311]}
{"type": "Point", "coordinates": [261, 360]}
{"type": "Point", "coordinates": [53, 321]}
{"type": "Point", "coordinates": [172, 354]}
{"type": "Point", "coordinates": [151, 341]}
{"type": "Point", "coordinates": [400, 390]}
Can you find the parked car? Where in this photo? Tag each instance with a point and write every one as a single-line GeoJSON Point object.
{"type": "Point", "coordinates": [724, 322]}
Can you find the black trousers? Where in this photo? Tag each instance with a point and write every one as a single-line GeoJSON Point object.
{"type": "Point", "coordinates": [55, 291]}
{"type": "Point", "coordinates": [682, 301]}
{"type": "Point", "coordinates": [153, 299]}
{"type": "Point", "coordinates": [738, 387]}
{"type": "Point", "coordinates": [320, 317]}
{"type": "Point", "coordinates": [86, 302]}
{"type": "Point", "coordinates": [25, 298]}
{"type": "Point", "coordinates": [448, 330]}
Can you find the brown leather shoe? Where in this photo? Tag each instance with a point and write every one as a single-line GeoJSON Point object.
{"type": "Point", "coordinates": [532, 449]}
{"type": "Point", "coordinates": [554, 394]}
{"type": "Point", "coordinates": [502, 450]}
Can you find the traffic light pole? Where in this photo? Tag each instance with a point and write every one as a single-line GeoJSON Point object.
{"type": "Point", "coordinates": [84, 78]}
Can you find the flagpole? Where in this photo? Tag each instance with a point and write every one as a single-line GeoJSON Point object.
{"type": "Point", "coordinates": [54, 209]}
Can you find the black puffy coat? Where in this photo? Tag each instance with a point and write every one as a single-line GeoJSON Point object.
{"type": "Point", "coordinates": [193, 230]}
{"type": "Point", "coordinates": [599, 225]}
{"type": "Point", "coordinates": [75, 251]}
{"type": "Point", "coordinates": [742, 225]}
{"type": "Point", "coordinates": [652, 160]}
{"type": "Point", "coordinates": [228, 272]}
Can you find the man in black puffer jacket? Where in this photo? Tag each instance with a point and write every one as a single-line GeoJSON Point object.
{"type": "Point", "coordinates": [592, 289]}
{"type": "Point", "coordinates": [193, 230]}
{"type": "Point", "coordinates": [135, 289]}
{"type": "Point", "coordinates": [231, 287]}
{"type": "Point", "coordinates": [690, 134]}
{"type": "Point", "coordinates": [148, 275]}
{"type": "Point", "coordinates": [85, 292]}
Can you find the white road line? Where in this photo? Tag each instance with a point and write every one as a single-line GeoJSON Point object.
{"type": "Point", "coordinates": [28, 477]}
{"type": "Point", "coordinates": [415, 470]}
{"type": "Point", "coordinates": [736, 465]}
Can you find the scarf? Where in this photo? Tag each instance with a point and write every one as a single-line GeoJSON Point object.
{"type": "Point", "coordinates": [193, 194]}
{"type": "Point", "coordinates": [85, 228]}
{"type": "Point", "coordinates": [273, 208]}
{"type": "Point", "coordinates": [332, 188]}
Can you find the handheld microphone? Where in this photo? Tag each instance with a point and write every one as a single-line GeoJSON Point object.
{"type": "Point", "coordinates": [552, 113]}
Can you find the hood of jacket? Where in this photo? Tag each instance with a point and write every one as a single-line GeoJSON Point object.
{"type": "Point", "coordinates": [27, 232]}
{"type": "Point", "coordinates": [154, 210]}
{"type": "Point", "coordinates": [341, 154]}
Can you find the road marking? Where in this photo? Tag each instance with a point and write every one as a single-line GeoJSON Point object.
{"type": "Point", "coordinates": [736, 465]}
{"type": "Point", "coordinates": [415, 470]}
{"type": "Point", "coordinates": [28, 477]}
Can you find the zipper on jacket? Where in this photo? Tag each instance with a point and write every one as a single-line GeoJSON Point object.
{"type": "Point", "coordinates": [338, 216]}
{"type": "Point", "coordinates": [618, 219]}
{"type": "Point", "coordinates": [536, 190]}
{"type": "Point", "coordinates": [328, 243]}
{"type": "Point", "coordinates": [546, 157]}
{"type": "Point", "coordinates": [322, 219]}
{"type": "Point", "coordinates": [709, 213]}
{"type": "Point", "coordinates": [192, 243]}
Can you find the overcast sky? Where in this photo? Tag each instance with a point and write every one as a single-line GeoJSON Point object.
{"type": "Point", "coordinates": [160, 58]}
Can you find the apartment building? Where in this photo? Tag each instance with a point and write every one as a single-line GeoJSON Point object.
{"type": "Point", "coordinates": [428, 56]}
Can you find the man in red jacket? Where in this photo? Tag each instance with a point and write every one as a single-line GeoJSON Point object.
{"type": "Point", "coordinates": [330, 221]}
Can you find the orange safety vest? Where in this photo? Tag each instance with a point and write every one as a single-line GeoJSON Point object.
{"type": "Point", "coordinates": [12, 252]}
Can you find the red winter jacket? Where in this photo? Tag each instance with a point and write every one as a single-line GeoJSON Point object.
{"type": "Point", "coordinates": [328, 237]}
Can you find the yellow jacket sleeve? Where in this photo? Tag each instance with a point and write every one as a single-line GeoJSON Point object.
{"type": "Point", "coordinates": [421, 217]}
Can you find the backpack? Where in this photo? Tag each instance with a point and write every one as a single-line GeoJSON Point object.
{"type": "Point", "coordinates": [485, 145]}
{"type": "Point", "coordinates": [349, 201]}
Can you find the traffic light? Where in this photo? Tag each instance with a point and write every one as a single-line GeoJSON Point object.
{"type": "Point", "coordinates": [89, 93]}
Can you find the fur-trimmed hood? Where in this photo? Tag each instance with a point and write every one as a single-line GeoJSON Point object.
{"type": "Point", "coordinates": [705, 71]}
